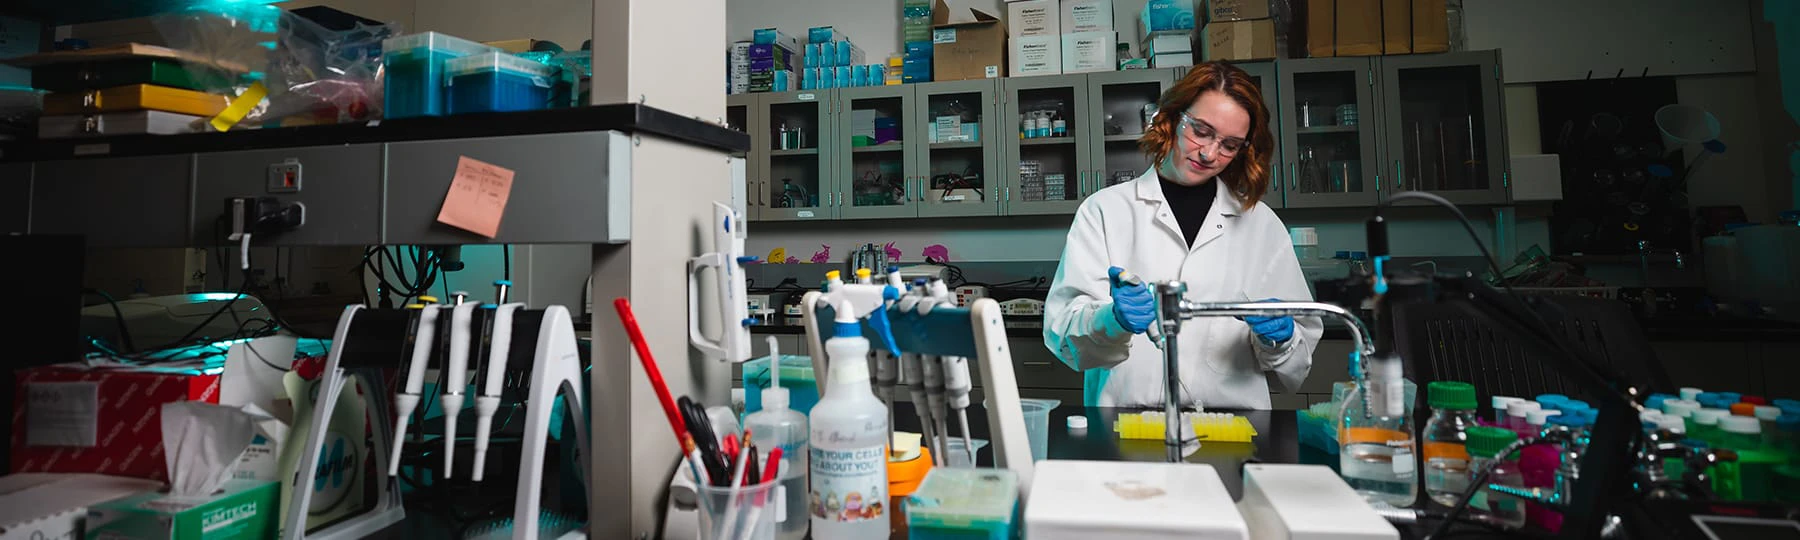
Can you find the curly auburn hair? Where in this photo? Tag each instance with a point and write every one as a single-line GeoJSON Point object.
{"type": "Point", "coordinates": [1248, 173]}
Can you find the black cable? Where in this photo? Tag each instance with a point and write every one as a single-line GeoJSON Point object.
{"type": "Point", "coordinates": [1493, 263]}
{"type": "Point", "coordinates": [118, 317]}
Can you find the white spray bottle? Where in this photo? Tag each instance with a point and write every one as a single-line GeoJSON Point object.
{"type": "Point", "coordinates": [849, 442]}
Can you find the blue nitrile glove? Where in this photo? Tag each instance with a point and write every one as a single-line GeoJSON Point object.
{"type": "Point", "coordinates": [1272, 330]}
{"type": "Point", "coordinates": [1132, 305]}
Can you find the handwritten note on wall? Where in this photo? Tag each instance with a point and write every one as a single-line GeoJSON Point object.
{"type": "Point", "coordinates": [477, 198]}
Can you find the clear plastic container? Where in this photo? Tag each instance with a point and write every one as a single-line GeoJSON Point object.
{"type": "Point", "coordinates": [1487, 505]}
{"type": "Point", "coordinates": [497, 82]}
{"type": "Point", "coordinates": [1037, 425]}
{"type": "Point", "coordinates": [1703, 424]}
{"type": "Point", "coordinates": [777, 426]}
{"type": "Point", "coordinates": [1376, 456]}
{"type": "Point", "coordinates": [955, 454]}
{"type": "Point", "coordinates": [1499, 405]}
{"type": "Point", "coordinates": [963, 504]}
{"type": "Point", "coordinates": [745, 511]}
{"type": "Point", "coordinates": [415, 74]}
{"type": "Point", "coordinates": [1445, 449]}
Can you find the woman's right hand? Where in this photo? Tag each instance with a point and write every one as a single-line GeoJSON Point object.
{"type": "Point", "coordinates": [1132, 304]}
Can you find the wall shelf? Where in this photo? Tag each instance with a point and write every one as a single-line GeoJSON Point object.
{"type": "Point", "coordinates": [795, 152]}
{"type": "Point", "coordinates": [878, 149]}
{"type": "Point", "coordinates": [1043, 141]}
{"type": "Point", "coordinates": [1318, 130]}
{"type": "Point", "coordinates": [1124, 138]}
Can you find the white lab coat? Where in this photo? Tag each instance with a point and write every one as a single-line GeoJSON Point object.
{"type": "Point", "coordinates": [1238, 255]}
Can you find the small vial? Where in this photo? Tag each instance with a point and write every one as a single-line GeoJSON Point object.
{"type": "Point", "coordinates": [1499, 403]}
{"type": "Point", "coordinates": [1703, 424]}
{"type": "Point", "coordinates": [1487, 505]}
{"type": "Point", "coordinates": [1515, 415]}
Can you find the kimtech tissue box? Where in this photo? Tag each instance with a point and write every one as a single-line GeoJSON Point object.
{"type": "Point", "coordinates": [244, 510]}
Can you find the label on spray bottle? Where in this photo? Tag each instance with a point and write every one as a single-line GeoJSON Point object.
{"type": "Point", "coordinates": [849, 485]}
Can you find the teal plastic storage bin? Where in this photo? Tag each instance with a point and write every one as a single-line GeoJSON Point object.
{"type": "Point", "coordinates": [497, 82]}
{"type": "Point", "coordinates": [964, 504]}
{"type": "Point", "coordinates": [415, 72]}
{"type": "Point", "coordinates": [796, 376]}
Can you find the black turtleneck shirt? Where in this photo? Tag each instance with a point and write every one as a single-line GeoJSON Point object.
{"type": "Point", "coordinates": [1191, 204]}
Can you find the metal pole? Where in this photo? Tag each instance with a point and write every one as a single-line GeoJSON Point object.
{"type": "Point", "coordinates": [1172, 310]}
{"type": "Point", "coordinates": [1169, 314]}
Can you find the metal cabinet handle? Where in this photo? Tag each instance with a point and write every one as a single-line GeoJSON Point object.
{"type": "Point", "coordinates": [1399, 176]}
{"type": "Point", "coordinates": [1293, 177]}
{"type": "Point", "coordinates": [1035, 364]}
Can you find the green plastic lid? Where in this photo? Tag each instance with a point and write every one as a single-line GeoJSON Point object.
{"type": "Point", "coordinates": [1451, 395]}
{"type": "Point", "coordinates": [1487, 441]}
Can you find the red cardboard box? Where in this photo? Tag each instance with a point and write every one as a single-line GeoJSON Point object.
{"type": "Point", "coordinates": [122, 406]}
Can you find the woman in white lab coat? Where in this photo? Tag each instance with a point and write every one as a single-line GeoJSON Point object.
{"type": "Point", "coordinates": [1196, 217]}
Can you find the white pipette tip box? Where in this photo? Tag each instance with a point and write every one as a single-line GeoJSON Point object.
{"type": "Point", "coordinates": [1116, 499]}
{"type": "Point", "coordinates": [1307, 502]}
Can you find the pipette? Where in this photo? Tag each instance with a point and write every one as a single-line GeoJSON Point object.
{"type": "Point", "coordinates": [956, 395]}
{"type": "Point", "coordinates": [420, 338]}
{"type": "Point", "coordinates": [886, 371]}
{"type": "Point", "coordinates": [456, 378]}
{"type": "Point", "coordinates": [487, 402]}
{"type": "Point", "coordinates": [933, 369]}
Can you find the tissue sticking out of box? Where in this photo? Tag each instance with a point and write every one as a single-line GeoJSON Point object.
{"type": "Point", "coordinates": [202, 444]}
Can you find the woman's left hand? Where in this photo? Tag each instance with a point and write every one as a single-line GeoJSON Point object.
{"type": "Point", "coordinates": [1272, 330]}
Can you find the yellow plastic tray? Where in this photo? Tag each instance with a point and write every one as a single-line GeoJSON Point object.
{"type": "Point", "coordinates": [1209, 427]}
{"type": "Point", "coordinates": [135, 97]}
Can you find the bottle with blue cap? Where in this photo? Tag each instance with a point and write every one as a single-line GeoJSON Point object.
{"type": "Point", "coordinates": [849, 448]}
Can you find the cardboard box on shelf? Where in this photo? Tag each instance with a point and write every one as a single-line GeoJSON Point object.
{"type": "Point", "coordinates": [1314, 31]}
{"type": "Point", "coordinates": [1087, 16]}
{"type": "Point", "coordinates": [1396, 26]}
{"type": "Point", "coordinates": [1086, 52]}
{"type": "Point", "coordinates": [774, 36]}
{"type": "Point", "coordinates": [1160, 15]}
{"type": "Point", "coordinates": [1168, 60]}
{"type": "Point", "coordinates": [1430, 26]}
{"type": "Point", "coordinates": [1034, 55]}
{"type": "Point", "coordinates": [967, 43]}
{"type": "Point", "coordinates": [74, 419]}
{"type": "Point", "coordinates": [1238, 40]}
{"type": "Point", "coordinates": [1358, 29]}
{"type": "Point", "coordinates": [1236, 10]}
{"type": "Point", "coordinates": [243, 510]}
{"type": "Point", "coordinates": [1032, 18]}
{"type": "Point", "coordinates": [1166, 43]}
{"type": "Point", "coordinates": [514, 46]}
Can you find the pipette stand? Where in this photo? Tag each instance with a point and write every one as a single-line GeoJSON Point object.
{"type": "Point", "coordinates": [333, 381]}
{"type": "Point", "coordinates": [556, 367]}
{"type": "Point", "coordinates": [974, 332]}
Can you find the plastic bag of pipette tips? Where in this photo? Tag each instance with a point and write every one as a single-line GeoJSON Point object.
{"type": "Point", "coordinates": [313, 74]}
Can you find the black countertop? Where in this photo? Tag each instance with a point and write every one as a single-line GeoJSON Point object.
{"type": "Point", "coordinates": [625, 117]}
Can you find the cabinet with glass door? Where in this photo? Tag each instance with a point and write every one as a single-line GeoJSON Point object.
{"type": "Point", "coordinates": [957, 167]}
{"type": "Point", "coordinates": [739, 112]}
{"type": "Point", "coordinates": [1121, 103]}
{"type": "Point", "coordinates": [1329, 132]}
{"type": "Point", "coordinates": [1047, 138]}
{"type": "Point", "coordinates": [797, 174]}
{"type": "Point", "coordinates": [876, 144]}
{"type": "Point", "coordinates": [1443, 126]}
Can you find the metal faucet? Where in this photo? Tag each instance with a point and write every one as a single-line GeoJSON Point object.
{"type": "Point", "coordinates": [1172, 309]}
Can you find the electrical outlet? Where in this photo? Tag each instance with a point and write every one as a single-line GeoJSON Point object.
{"type": "Point", "coordinates": [284, 177]}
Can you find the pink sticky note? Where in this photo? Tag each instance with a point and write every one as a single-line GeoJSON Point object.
{"type": "Point", "coordinates": [477, 198]}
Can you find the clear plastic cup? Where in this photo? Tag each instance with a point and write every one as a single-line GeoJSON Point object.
{"type": "Point", "coordinates": [955, 456]}
{"type": "Point", "coordinates": [751, 512]}
{"type": "Point", "coordinates": [1037, 425]}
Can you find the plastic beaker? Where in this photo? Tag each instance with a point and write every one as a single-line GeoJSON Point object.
{"type": "Point", "coordinates": [746, 511]}
{"type": "Point", "coordinates": [1037, 425]}
{"type": "Point", "coordinates": [1682, 125]}
{"type": "Point", "coordinates": [955, 456]}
